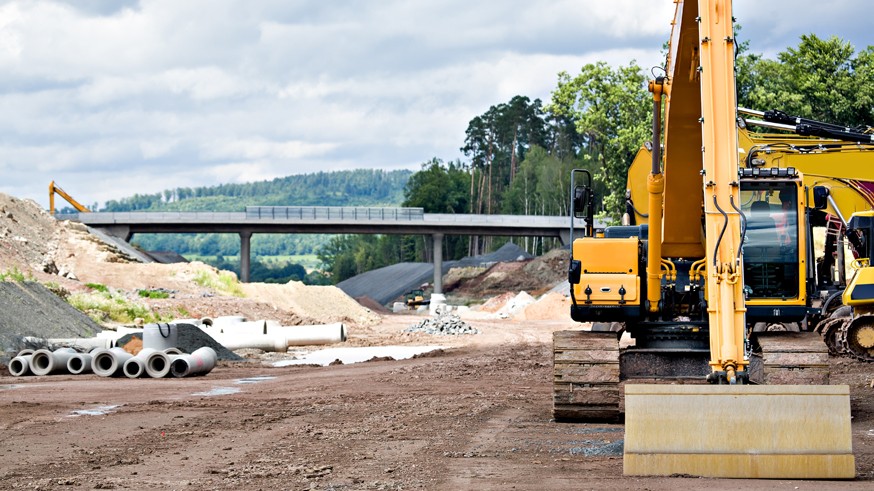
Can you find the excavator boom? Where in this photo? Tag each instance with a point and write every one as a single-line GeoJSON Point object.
{"type": "Point", "coordinates": [54, 188]}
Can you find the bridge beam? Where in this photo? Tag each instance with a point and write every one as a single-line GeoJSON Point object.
{"type": "Point", "coordinates": [437, 240]}
{"type": "Point", "coordinates": [245, 247]}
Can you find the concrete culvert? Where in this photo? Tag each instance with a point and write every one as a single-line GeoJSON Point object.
{"type": "Point", "coordinates": [134, 368]}
{"type": "Point", "coordinates": [109, 362]}
{"type": "Point", "coordinates": [44, 362]}
{"type": "Point", "coordinates": [157, 364]}
{"type": "Point", "coordinates": [20, 365]}
{"type": "Point", "coordinates": [201, 362]}
{"type": "Point", "coordinates": [80, 363]}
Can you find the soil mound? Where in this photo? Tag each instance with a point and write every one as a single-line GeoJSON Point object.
{"type": "Point", "coordinates": [320, 304]}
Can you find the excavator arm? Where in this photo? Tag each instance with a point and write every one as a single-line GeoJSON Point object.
{"type": "Point", "coordinates": [53, 188]}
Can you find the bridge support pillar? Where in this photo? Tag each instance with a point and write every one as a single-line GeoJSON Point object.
{"type": "Point", "coordinates": [437, 240]}
{"type": "Point", "coordinates": [245, 247]}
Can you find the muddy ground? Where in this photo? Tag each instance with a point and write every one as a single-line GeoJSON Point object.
{"type": "Point", "coordinates": [475, 415]}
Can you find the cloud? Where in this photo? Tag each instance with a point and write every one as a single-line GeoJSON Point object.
{"type": "Point", "coordinates": [115, 98]}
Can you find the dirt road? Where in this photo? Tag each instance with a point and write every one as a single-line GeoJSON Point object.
{"type": "Point", "coordinates": [473, 416]}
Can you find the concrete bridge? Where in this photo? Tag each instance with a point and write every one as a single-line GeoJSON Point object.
{"type": "Point", "coordinates": [330, 220]}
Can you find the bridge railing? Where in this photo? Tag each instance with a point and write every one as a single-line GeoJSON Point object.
{"type": "Point", "coordinates": [333, 213]}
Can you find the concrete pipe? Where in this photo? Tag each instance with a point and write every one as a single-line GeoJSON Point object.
{"type": "Point", "coordinates": [134, 367]}
{"type": "Point", "coordinates": [245, 327]}
{"type": "Point", "coordinates": [201, 362]}
{"type": "Point", "coordinates": [307, 335]}
{"type": "Point", "coordinates": [109, 362]}
{"type": "Point", "coordinates": [86, 344]}
{"type": "Point", "coordinates": [264, 342]}
{"type": "Point", "coordinates": [44, 362]}
{"type": "Point", "coordinates": [173, 351]}
{"type": "Point", "coordinates": [25, 352]}
{"type": "Point", "coordinates": [20, 365]}
{"type": "Point", "coordinates": [157, 364]}
{"type": "Point", "coordinates": [79, 363]}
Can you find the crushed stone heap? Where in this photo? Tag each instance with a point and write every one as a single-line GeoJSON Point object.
{"type": "Point", "coordinates": [444, 324]}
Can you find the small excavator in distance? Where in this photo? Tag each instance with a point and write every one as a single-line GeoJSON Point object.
{"type": "Point", "coordinates": [54, 188]}
{"type": "Point", "coordinates": [724, 256]}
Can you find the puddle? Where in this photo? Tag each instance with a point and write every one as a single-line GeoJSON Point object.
{"type": "Point", "coordinates": [98, 411]}
{"type": "Point", "coordinates": [356, 355]}
{"type": "Point", "coordinates": [254, 380]}
{"type": "Point", "coordinates": [10, 387]}
{"type": "Point", "coordinates": [218, 391]}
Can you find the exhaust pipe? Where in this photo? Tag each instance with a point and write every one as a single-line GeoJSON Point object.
{"type": "Point", "coordinates": [109, 362]}
{"type": "Point", "coordinates": [44, 362]}
{"type": "Point", "coordinates": [79, 363]}
{"type": "Point", "coordinates": [201, 362]}
{"type": "Point", "coordinates": [20, 365]}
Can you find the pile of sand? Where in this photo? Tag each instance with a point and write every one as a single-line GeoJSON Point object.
{"type": "Point", "coordinates": [551, 306]}
{"type": "Point", "coordinates": [322, 304]}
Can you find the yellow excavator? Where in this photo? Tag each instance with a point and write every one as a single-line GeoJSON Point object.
{"type": "Point", "coordinates": [725, 255]}
{"type": "Point", "coordinates": [54, 188]}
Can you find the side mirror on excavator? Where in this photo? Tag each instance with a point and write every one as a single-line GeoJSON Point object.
{"type": "Point", "coordinates": [820, 197]}
{"type": "Point", "coordinates": [581, 201]}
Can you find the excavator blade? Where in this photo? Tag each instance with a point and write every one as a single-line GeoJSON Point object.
{"type": "Point", "coordinates": [739, 431]}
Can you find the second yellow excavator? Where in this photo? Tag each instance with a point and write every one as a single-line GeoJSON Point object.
{"type": "Point", "coordinates": [725, 256]}
{"type": "Point", "coordinates": [53, 189]}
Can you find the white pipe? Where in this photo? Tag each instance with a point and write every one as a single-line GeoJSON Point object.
{"type": "Point", "coordinates": [157, 364]}
{"type": "Point", "coordinates": [306, 335]}
{"type": "Point", "coordinates": [201, 362]}
{"type": "Point", "coordinates": [279, 338]}
{"type": "Point", "coordinates": [20, 365]}
{"type": "Point", "coordinates": [25, 352]}
{"type": "Point", "coordinates": [79, 363]}
{"type": "Point", "coordinates": [109, 362]}
{"type": "Point", "coordinates": [246, 327]}
{"type": "Point", "coordinates": [173, 351]}
{"type": "Point", "coordinates": [134, 367]}
{"type": "Point", "coordinates": [83, 343]}
{"type": "Point", "coordinates": [264, 342]}
{"type": "Point", "coordinates": [44, 362]}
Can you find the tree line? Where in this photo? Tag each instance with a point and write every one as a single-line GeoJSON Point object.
{"type": "Point", "coordinates": [520, 153]}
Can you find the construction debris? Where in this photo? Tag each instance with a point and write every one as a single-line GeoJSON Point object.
{"type": "Point", "coordinates": [444, 323]}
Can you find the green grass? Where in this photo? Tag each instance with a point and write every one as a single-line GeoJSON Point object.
{"type": "Point", "coordinates": [223, 282]}
{"type": "Point", "coordinates": [15, 275]}
{"type": "Point", "coordinates": [153, 294]}
{"type": "Point", "coordinates": [106, 306]}
{"type": "Point", "coordinates": [98, 287]}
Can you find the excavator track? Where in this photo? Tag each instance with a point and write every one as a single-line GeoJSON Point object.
{"type": "Point", "coordinates": [830, 330]}
{"type": "Point", "coordinates": [586, 376]}
{"type": "Point", "coordinates": [856, 337]}
{"type": "Point", "coordinates": [790, 358]}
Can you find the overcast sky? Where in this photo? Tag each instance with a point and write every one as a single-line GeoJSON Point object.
{"type": "Point", "coordinates": [112, 98]}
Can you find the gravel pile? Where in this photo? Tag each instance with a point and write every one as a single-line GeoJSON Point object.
{"type": "Point", "coordinates": [444, 324]}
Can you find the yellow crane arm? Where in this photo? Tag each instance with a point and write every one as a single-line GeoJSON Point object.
{"type": "Point", "coordinates": [53, 188]}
